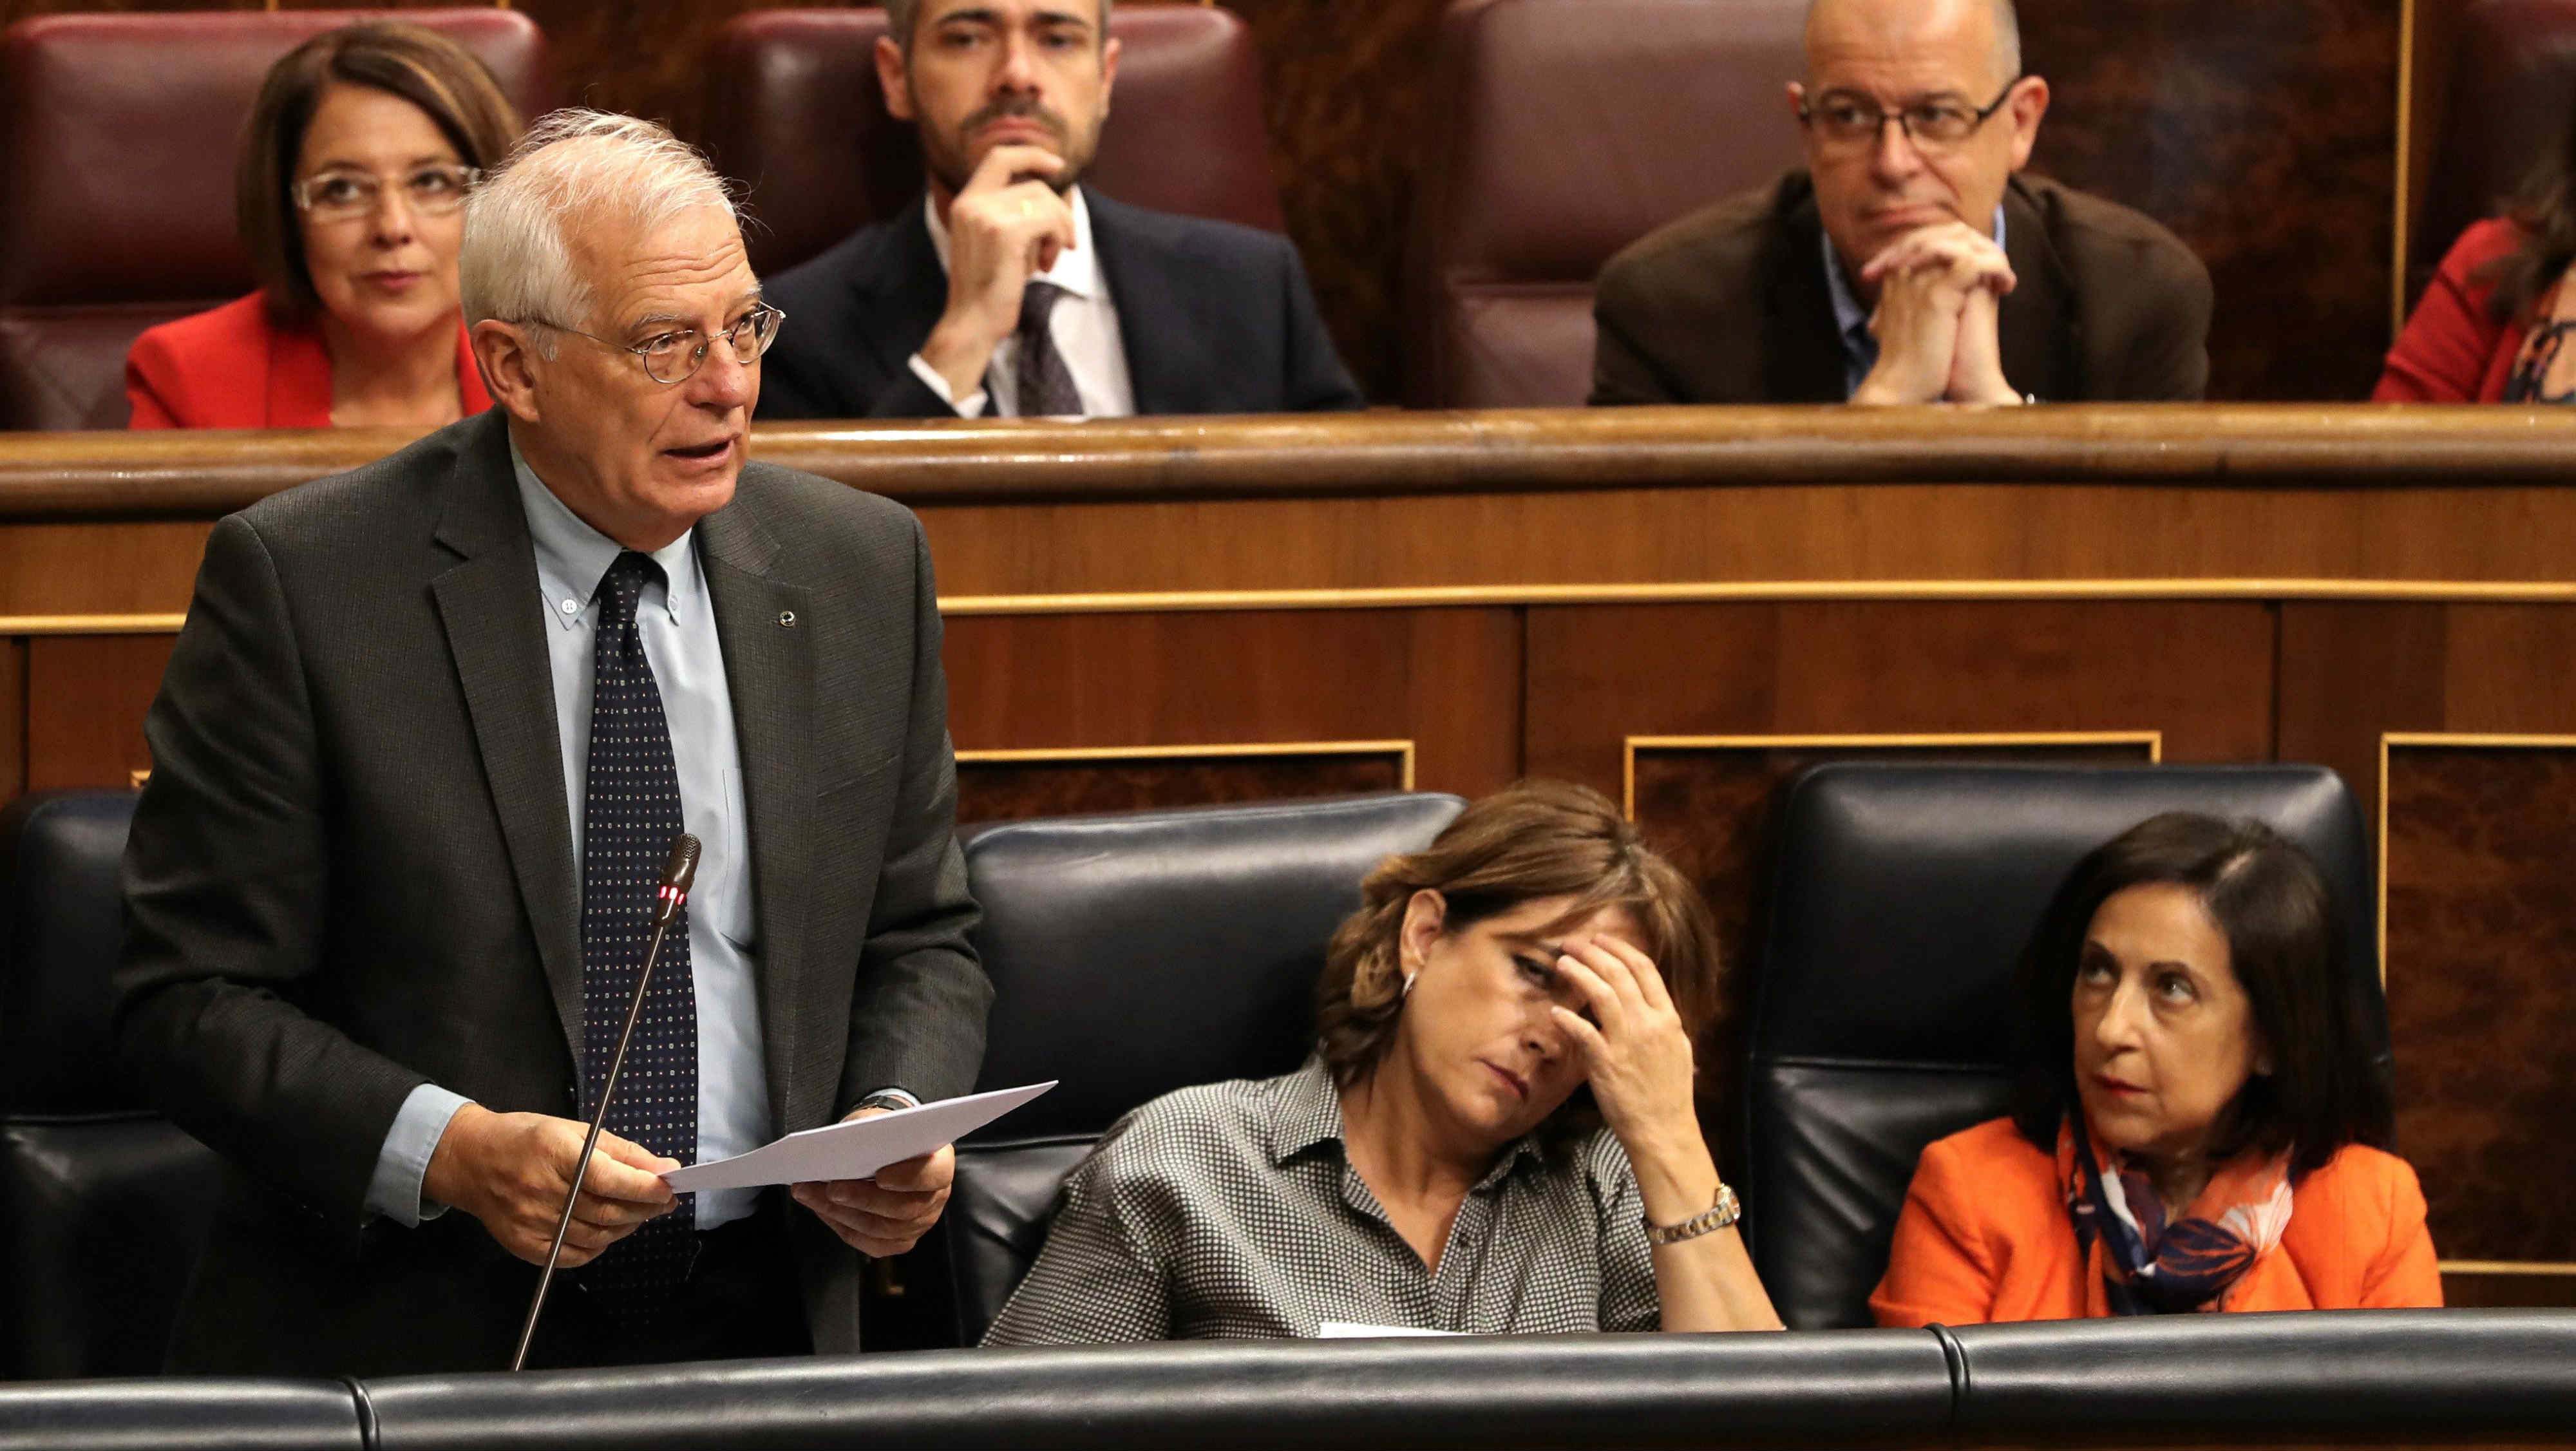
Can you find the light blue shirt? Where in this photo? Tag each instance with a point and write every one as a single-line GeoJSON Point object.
{"type": "Point", "coordinates": [1860, 350]}
{"type": "Point", "coordinates": [678, 624]}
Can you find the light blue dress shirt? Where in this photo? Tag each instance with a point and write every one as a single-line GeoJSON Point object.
{"type": "Point", "coordinates": [1860, 350]}
{"type": "Point", "coordinates": [678, 624]}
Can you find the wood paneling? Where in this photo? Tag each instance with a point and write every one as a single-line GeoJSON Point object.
{"type": "Point", "coordinates": [2265, 135]}
{"type": "Point", "coordinates": [2200, 673]}
{"type": "Point", "coordinates": [1448, 680]}
{"type": "Point", "coordinates": [1021, 790]}
{"type": "Point", "coordinates": [85, 701]}
{"type": "Point", "coordinates": [2481, 969]}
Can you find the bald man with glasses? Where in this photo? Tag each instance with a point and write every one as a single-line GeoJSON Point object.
{"type": "Point", "coordinates": [1908, 261]}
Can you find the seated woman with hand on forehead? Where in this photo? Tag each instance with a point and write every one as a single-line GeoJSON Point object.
{"type": "Point", "coordinates": [349, 192]}
{"type": "Point", "coordinates": [2197, 1119]}
{"type": "Point", "coordinates": [1495, 1134]}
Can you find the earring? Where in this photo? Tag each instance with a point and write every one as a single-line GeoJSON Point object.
{"type": "Point", "coordinates": [1408, 985]}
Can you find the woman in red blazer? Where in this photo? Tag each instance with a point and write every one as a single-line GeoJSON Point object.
{"type": "Point", "coordinates": [350, 193]}
{"type": "Point", "coordinates": [2494, 325]}
{"type": "Point", "coordinates": [2199, 1121]}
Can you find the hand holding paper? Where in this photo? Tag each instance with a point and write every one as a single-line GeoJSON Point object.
{"type": "Point", "coordinates": [878, 1178]}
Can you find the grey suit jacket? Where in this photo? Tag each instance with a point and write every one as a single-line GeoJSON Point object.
{"type": "Point", "coordinates": [351, 872]}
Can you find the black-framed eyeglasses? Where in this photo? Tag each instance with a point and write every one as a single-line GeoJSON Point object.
{"type": "Point", "coordinates": [674, 357]}
{"type": "Point", "coordinates": [1841, 118]}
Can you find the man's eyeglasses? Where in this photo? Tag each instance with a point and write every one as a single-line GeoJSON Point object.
{"type": "Point", "coordinates": [341, 196]}
{"type": "Point", "coordinates": [675, 356]}
{"type": "Point", "coordinates": [1841, 118]}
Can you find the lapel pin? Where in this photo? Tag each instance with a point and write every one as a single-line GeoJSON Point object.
{"type": "Point", "coordinates": [787, 619]}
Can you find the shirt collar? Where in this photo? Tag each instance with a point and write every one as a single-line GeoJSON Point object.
{"type": "Point", "coordinates": [572, 557]}
{"type": "Point", "coordinates": [1309, 1112]}
{"type": "Point", "coordinates": [1076, 269]}
{"type": "Point", "coordinates": [1848, 312]}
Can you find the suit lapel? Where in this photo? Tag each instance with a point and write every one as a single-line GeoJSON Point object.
{"type": "Point", "coordinates": [488, 604]}
{"type": "Point", "coordinates": [1805, 349]}
{"type": "Point", "coordinates": [1165, 366]}
{"type": "Point", "coordinates": [764, 625]}
{"type": "Point", "coordinates": [2036, 330]}
{"type": "Point", "coordinates": [906, 291]}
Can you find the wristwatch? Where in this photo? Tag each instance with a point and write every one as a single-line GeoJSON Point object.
{"type": "Point", "coordinates": [1723, 1212]}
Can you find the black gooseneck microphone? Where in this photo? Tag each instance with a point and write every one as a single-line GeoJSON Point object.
{"type": "Point", "coordinates": [677, 874]}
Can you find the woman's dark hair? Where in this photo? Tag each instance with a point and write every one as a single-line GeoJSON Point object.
{"type": "Point", "coordinates": [2272, 904]}
{"type": "Point", "coordinates": [2543, 210]}
{"type": "Point", "coordinates": [418, 64]}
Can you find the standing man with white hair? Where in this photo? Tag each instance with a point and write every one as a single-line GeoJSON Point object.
{"type": "Point", "coordinates": [422, 746]}
{"type": "Point", "coordinates": [1908, 261]}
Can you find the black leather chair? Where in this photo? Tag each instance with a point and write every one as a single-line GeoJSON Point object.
{"type": "Point", "coordinates": [1901, 897]}
{"type": "Point", "coordinates": [103, 1204]}
{"type": "Point", "coordinates": [1135, 954]}
{"type": "Point", "coordinates": [97, 1415]}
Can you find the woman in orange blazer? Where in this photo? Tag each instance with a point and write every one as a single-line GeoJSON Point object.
{"type": "Point", "coordinates": [2197, 1125]}
{"type": "Point", "coordinates": [350, 191]}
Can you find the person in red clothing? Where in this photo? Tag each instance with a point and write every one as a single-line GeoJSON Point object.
{"type": "Point", "coordinates": [350, 190]}
{"type": "Point", "coordinates": [2198, 1124]}
{"type": "Point", "coordinates": [2493, 326]}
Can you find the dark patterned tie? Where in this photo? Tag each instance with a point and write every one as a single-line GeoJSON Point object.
{"type": "Point", "coordinates": [1045, 383]}
{"type": "Point", "coordinates": [630, 817]}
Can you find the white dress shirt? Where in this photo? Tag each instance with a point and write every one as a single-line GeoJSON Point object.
{"type": "Point", "coordinates": [1084, 325]}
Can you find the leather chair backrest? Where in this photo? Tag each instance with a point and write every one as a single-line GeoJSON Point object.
{"type": "Point", "coordinates": [1132, 955]}
{"type": "Point", "coordinates": [103, 1204]}
{"type": "Point", "coordinates": [2512, 97]}
{"type": "Point", "coordinates": [1556, 132]}
{"type": "Point", "coordinates": [1900, 901]}
{"type": "Point", "coordinates": [118, 135]}
{"type": "Point", "coordinates": [796, 115]}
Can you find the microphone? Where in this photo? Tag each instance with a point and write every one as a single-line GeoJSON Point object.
{"type": "Point", "coordinates": [668, 898]}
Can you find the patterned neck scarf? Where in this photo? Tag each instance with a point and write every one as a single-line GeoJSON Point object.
{"type": "Point", "coordinates": [2149, 1266]}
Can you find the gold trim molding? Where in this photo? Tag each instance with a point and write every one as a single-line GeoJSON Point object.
{"type": "Point", "coordinates": [2154, 741]}
{"type": "Point", "coordinates": [1402, 750]}
{"type": "Point", "coordinates": [2411, 591]}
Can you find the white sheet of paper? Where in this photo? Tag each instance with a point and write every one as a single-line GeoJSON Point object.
{"type": "Point", "coordinates": [1354, 1330]}
{"type": "Point", "coordinates": [857, 1149]}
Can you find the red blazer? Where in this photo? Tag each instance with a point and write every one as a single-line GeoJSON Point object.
{"type": "Point", "coordinates": [233, 368]}
{"type": "Point", "coordinates": [1984, 1237]}
{"type": "Point", "coordinates": [2452, 350]}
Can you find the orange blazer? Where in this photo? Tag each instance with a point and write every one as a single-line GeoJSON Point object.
{"type": "Point", "coordinates": [231, 367]}
{"type": "Point", "coordinates": [1984, 1236]}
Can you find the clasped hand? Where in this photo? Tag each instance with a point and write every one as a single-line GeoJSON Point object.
{"type": "Point", "coordinates": [1940, 291]}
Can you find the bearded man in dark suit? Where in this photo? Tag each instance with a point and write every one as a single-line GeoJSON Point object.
{"type": "Point", "coordinates": [1012, 289]}
{"type": "Point", "coordinates": [422, 747]}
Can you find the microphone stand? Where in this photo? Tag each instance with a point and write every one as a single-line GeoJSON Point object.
{"type": "Point", "coordinates": [677, 874]}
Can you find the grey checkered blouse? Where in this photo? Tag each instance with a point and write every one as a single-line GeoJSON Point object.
{"type": "Point", "coordinates": [1232, 1211]}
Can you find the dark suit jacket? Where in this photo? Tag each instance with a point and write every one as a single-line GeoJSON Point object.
{"type": "Point", "coordinates": [1216, 318]}
{"type": "Point", "coordinates": [351, 872]}
{"type": "Point", "coordinates": [1730, 304]}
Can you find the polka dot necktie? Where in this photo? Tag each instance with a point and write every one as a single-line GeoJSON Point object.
{"type": "Point", "coordinates": [630, 817]}
{"type": "Point", "coordinates": [1045, 383]}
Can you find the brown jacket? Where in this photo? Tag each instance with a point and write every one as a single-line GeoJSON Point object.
{"type": "Point", "coordinates": [1729, 304]}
